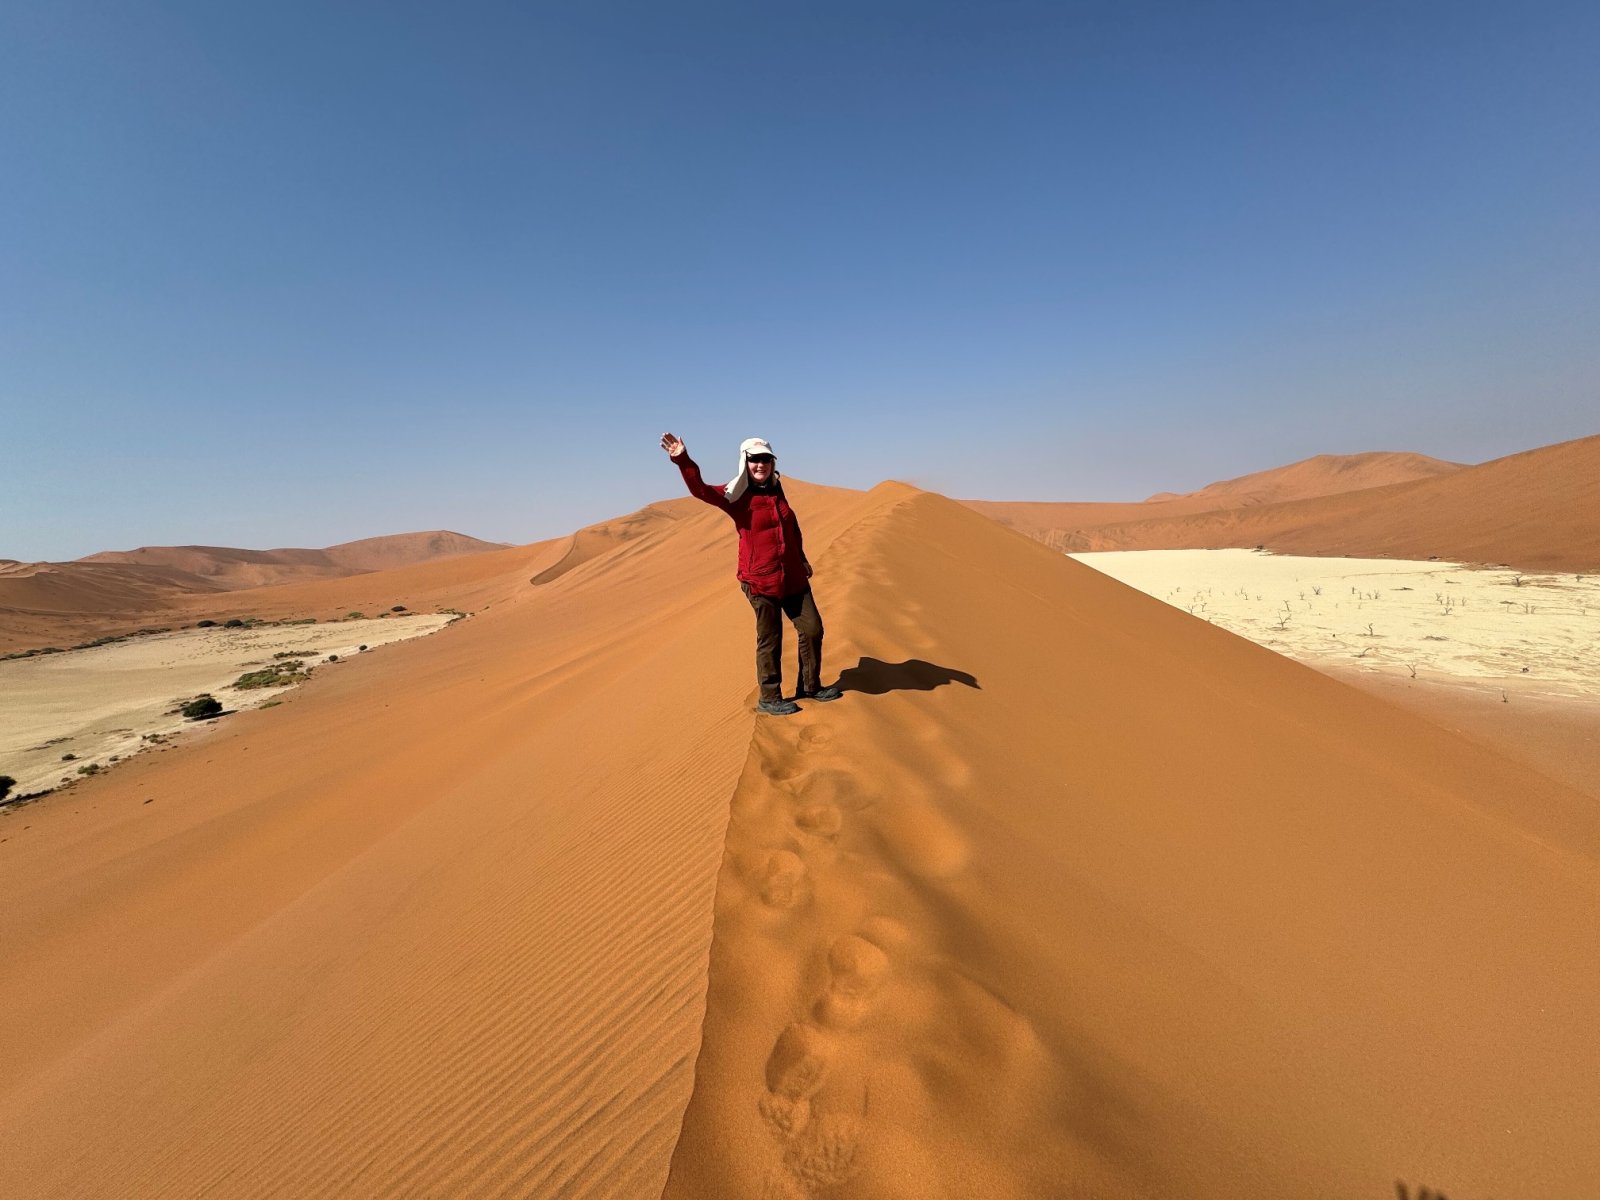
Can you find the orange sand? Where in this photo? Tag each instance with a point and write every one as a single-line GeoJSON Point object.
{"type": "Point", "coordinates": [1070, 895]}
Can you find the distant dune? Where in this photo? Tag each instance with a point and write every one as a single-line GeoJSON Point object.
{"type": "Point", "coordinates": [1070, 895]}
{"type": "Point", "coordinates": [1536, 510]}
{"type": "Point", "coordinates": [1323, 475]}
{"type": "Point", "coordinates": [117, 591]}
{"type": "Point", "coordinates": [61, 604]}
{"type": "Point", "coordinates": [230, 568]}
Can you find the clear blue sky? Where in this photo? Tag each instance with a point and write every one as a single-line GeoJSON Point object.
{"type": "Point", "coordinates": [297, 273]}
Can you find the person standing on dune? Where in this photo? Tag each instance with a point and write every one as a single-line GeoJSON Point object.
{"type": "Point", "coordinates": [773, 570]}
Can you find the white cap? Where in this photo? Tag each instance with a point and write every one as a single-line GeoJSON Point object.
{"type": "Point", "coordinates": [755, 446]}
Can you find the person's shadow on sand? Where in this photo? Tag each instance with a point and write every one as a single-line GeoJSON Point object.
{"type": "Point", "coordinates": [875, 677]}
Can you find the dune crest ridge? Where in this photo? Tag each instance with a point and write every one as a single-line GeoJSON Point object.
{"type": "Point", "coordinates": [1073, 895]}
{"type": "Point", "coordinates": [435, 926]}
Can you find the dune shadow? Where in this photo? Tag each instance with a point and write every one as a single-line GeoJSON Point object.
{"type": "Point", "coordinates": [875, 677]}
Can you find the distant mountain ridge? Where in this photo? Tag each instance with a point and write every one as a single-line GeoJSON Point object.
{"type": "Point", "coordinates": [59, 603]}
{"type": "Point", "coordinates": [230, 568]}
{"type": "Point", "coordinates": [1320, 475]}
{"type": "Point", "coordinates": [1060, 522]}
{"type": "Point", "coordinates": [1539, 510]}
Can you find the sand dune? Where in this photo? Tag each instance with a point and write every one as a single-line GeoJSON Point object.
{"type": "Point", "coordinates": [1071, 895]}
{"type": "Point", "coordinates": [117, 592]}
{"type": "Point", "coordinates": [1140, 909]}
{"type": "Point", "coordinates": [1324, 475]}
{"type": "Point", "coordinates": [1539, 510]}
{"type": "Point", "coordinates": [64, 604]}
{"type": "Point", "coordinates": [232, 568]}
{"type": "Point", "coordinates": [435, 926]}
{"type": "Point", "coordinates": [1321, 475]}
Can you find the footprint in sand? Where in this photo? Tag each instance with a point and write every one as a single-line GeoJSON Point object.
{"type": "Point", "coordinates": [824, 820]}
{"type": "Point", "coordinates": [781, 770]}
{"type": "Point", "coordinates": [827, 1154]}
{"type": "Point", "coordinates": [796, 1070]}
{"type": "Point", "coordinates": [780, 1184]}
{"type": "Point", "coordinates": [815, 736]}
{"type": "Point", "coordinates": [783, 879]}
{"type": "Point", "coordinates": [856, 970]}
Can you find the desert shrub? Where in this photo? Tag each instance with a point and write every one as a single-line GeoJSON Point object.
{"type": "Point", "coordinates": [200, 707]}
{"type": "Point", "coordinates": [355, 616]}
{"type": "Point", "coordinates": [280, 674]}
{"type": "Point", "coordinates": [206, 624]}
{"type": "Point", "coordinates": [233, 623]}
{"type": "Point", "coordinates": [6, 784]}
{"type": "Point", "coordinates": [89, 769]}
{"type": "Point", "coordinates": [295, 654]}
{"type": "Point", "coordinates": [362, 646]}
{"type": "Point", "coordinates": [398, 608]}
{"type": "Point", "coordinates": [333, 658]}
{"type": "Point", "coordinates": [68, 756]}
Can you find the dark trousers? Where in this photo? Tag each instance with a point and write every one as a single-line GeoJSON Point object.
{"type": "Point", "coordinates": [770, 611]}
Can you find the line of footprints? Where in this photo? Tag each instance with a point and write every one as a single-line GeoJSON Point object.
{"type": "Point", "coordinates": [815, 1103]}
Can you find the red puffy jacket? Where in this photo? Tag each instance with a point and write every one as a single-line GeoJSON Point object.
{"type": "Point", "coordinates": [772, 559]}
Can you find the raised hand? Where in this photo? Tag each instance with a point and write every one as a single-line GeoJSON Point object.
{"type": "Point", "coordinates": [672, 444]}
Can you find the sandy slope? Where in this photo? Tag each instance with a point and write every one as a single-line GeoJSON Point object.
{"type": "Point", "coordinates": [1555, 736]}
{"type": "Point", "coordinates": [1071, 894]}
{"type": "Point", "coordinates": [1082, 896]}
{"type": "Point", "coordinates": [1538, 510]}
{"type": "Point", "coordinates": [435, 926]}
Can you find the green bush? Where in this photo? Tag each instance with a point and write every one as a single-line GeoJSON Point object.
{"type": "Point", "coordinates": [355, 616]}
{"type": "Point", "coordinates": [206, 624]}
{"type": "Point", "coordinates": [233, 623]}
{"type": "Point", "coordinates": [280, 674]}
{"type": "Point", "coordinates": [200, 707]}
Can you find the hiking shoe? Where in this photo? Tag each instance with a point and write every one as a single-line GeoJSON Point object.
{"type": "Point", "coordinates": [828, 693]}
{"type": "Point", "coordinates": [778, 708]}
